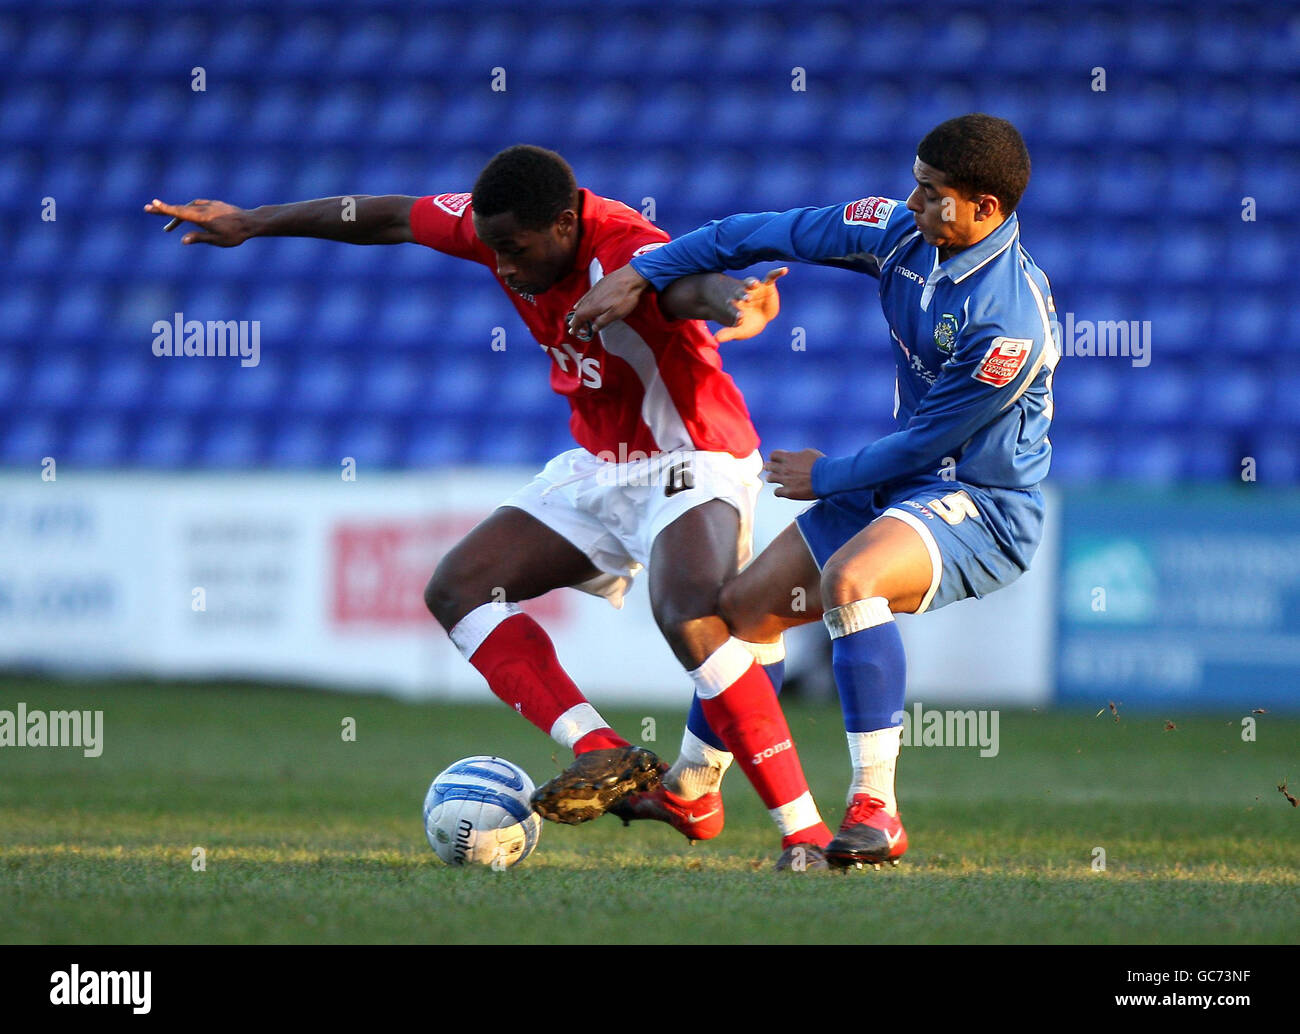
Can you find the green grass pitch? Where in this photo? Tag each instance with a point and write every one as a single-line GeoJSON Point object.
{"type": "Point", "coordinates": [311, 839]}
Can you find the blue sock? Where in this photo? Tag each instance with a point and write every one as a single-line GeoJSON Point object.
{"type": "Point", "coordinates": [870, 668]}
{"type": "Point", "coordinates": [776, 672]}
{"type": "Point", "coordinates": [699, 725]}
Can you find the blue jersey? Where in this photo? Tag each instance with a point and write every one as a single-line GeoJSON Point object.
{"type": "Point", "coordinates": [972, 336]}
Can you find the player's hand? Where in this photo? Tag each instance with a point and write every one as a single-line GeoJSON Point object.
{"type": "Point", "coordinates": [756, 309]}
{"type": "Point", "coordinates": [611, 300]}
{"type": "Point", "coordinates": [792, 472]}
{"type": "Point", "coordinates": [219, 223]}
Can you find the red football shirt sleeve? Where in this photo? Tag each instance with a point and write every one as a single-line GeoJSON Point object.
{"type": "Point", "coordinates": [618, 251]}
{"type": "Point", "coordinates": [443, 222]}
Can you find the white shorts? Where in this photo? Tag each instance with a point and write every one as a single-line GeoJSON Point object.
{"type": "Point", "coordinates": [613, 512]}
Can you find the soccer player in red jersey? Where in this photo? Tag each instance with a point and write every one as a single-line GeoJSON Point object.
{"type": "Point", "coordinates": [665, 477]}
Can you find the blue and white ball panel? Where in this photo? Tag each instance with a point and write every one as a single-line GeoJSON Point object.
{"type": "Point", "coordinates": [478, 812]}
{"type": "Point", "coordinates": [981, 538]}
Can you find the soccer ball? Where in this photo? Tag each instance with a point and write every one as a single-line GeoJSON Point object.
{"type": "Point", "coordinates": [478, 812]}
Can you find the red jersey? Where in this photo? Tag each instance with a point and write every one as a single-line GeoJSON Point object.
{"type": "Point", "coordinates": [645, 385]}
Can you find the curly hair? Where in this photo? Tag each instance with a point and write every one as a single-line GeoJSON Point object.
{"type": "Point", "coordinates": [534, 184]}
{"type": "Point", "coordinates": [979, 154]}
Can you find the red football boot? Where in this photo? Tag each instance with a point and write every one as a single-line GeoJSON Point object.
{"type": "Point", "coordinates": [869, 835]}
{"type": "Point", "coordinates": [699, 819]}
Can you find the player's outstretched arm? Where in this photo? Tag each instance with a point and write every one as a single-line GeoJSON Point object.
{"type": "Point", "coordinates": [743, 308]}
{"type": "Point", "coordinates": [356, 219]}
{"type": "Point", "coordinates": [838, 235]}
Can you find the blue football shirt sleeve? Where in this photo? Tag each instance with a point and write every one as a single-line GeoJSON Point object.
{"type": "Point", "coordinates": [988, 372]}
{"type": "Point", "coordinates": [852, 236]}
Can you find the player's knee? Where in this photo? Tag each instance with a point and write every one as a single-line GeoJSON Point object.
{"type": "Point", "coordinates": [692, 625]}
{"type": "Point", "coordinates": [844, 582]}
{"type": "Point", "coordinates": [446, 595]}
{"type": "Point", "coordinates": [735, 608]}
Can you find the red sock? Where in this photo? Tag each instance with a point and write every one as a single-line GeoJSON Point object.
{"type": "Point", "coordinates": [750, 721]}
{"type": "Point", "coordinates": [518, 660]}
{"type": "Point", "coordinates": [599, 739]}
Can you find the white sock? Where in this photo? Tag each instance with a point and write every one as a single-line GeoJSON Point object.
{"type": "Point", "coordinates": [470, 631]}
{"type": "Point", "coordinates": [699, 768]}
{"type": "Point", "coordinates": [766, 653]}
{"type": "Point", "coordinates": [875, 757]}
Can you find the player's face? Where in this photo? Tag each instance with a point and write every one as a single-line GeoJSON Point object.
{"type": "Point", "coordinates": [530, 261]}
{"type": "Point", "coordinates": [946, 217]}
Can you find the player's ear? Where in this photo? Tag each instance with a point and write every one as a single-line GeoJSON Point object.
{"type": "Point", "coordinates": [566, 225]}
{"type": "Point", "coordinates": [986, 207]}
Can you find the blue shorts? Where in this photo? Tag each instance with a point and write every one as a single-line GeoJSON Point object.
{"type": "Point", "coordinates": [980, 539]}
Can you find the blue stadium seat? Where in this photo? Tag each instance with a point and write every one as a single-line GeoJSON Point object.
{"type": "Point", "coordinates": [231, 443]}
{"type": "Point", "coordinates": [23, 311]}
{"type": "Point", "coordinates": [372, 441]}
{"type": "Point", "coordinates": [13, 377]}
{"type": "Point", "coordinates": [99, 441]}
{"type": "Point", "coordinates": [127, 384]}
{"type": "Point", "coordinates": [510, 440]}
{"type": "Point", "coordinates": [51, 46]}
{"type": "Point", "coordinates": [1277, 461]}
{"type": "Point", "coordinates": [1158, 41]}
{"type": "Point", "coordinates": [303, 48]}
{"type": "Point", "coordinates": [190, 385]}
{"type": "Point", "coordinates": [28, 441]}
{"type": "Point", "coordinates": [260, 389]}
{"type": "Point", "coordinates": [463, 386]}
{"type": "Point", "coordinates": [394, 385]}
{"type": "Point", "coordinates": [438, 443]}
{"type": "Point", "coordinates": [1178, 324]}
{"type": "Point", "coordinates": [43, 249]}
{"type": "Point", "coordinates": [389, 348]}
{"type": "Point", "coordinates": [424, 44]}
{"type": "Point", "coordinates": [680, 46]}
{"type": "Point", "coordinates": [1230, 397]}
{"type": "Point", "coordinates": [604, 114]}
{"type": "Point", "coordinates": [323, 385]}
{"type": "Point", "coordinates": [165, 442]}
{"type": "Point", "coordinates": [1284, 400]}
{"type": "Point", "coordinates": [1247, 323]}
{"type": "Point", "coordinates": [1152, 459]}
{"type": "Point", "coordinates": [57, 381]}
{"type": "Point", "coordinates": [302, 442]}
{"type": "Point", "coordinates": [1085, 389]}
{"type": "Point", "coordinates": [1081, 457]}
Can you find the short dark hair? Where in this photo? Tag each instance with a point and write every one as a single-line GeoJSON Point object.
{"type": "Point", "coordinates": [533, 183]}
{"type": "Point", "coordinates": [979, 154]}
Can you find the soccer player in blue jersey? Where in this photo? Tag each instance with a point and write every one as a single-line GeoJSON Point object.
{"type": "Point", "coordinates": [946, 507]}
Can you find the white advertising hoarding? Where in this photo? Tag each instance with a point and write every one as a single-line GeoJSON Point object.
{"type": "Point", "coordinates": [314, 579]}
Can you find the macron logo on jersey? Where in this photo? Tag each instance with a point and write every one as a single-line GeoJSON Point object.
{"type": "Point", "coordinates": [1004, 359]}
{"type": "Point", "coordinates": [870, 211]}
{"type": "Point", "coordinates": [453, 204]}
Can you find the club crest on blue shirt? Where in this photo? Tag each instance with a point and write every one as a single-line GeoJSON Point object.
{"type": "Point", "coordinates": [945, 333]}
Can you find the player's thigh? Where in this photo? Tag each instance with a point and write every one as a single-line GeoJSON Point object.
{"type": "Point", "coordinates": [780, 589]}
{"type": "Point", "coordinates": [510, 555]}
{"type": "Point", "coordinates": [888, 558]}
{"type": "Point", "coordinates": [690, 560]}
